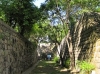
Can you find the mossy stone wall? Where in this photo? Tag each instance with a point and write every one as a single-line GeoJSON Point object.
{"type": "Point", "coordinates": [16, 53]}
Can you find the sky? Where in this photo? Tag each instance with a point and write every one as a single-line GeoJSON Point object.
{"type": "Point", "coordinates": [38, 2]}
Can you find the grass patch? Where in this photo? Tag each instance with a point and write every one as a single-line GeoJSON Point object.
{"type": "Point", "coordinates": [48, 67]}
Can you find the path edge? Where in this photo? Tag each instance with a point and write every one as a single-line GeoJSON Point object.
{"type": "Point", "coordinates": [28, 71]}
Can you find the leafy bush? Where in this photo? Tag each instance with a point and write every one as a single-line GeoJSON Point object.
{"type": "Point", "coordinates": [67, 63]}
{"type": "Point", "coordinates": [86, 66]}
{"type": "Point", "coordinates": [56, 59]}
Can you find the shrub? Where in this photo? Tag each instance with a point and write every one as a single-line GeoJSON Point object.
{"type": "Point", "coordinates": [85, 66]}
{"type": "Point", "coordinates": [67, 63]}
{"type": "Point", "coordinates": [56, 59]}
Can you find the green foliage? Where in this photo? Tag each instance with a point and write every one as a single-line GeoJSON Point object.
{"type": "Point", "coordinates": [79, 6]}
{"type": "Point", "coordinates": [43, 29]}
{"type": "Point", "coordinates": [20, 14]}
{"type": "Point", "coordinates": [67, 63]}
{"type": "Point", "coordinates": [55, 10]}
{"type": "Point", "coordinates": [86, 66]}
{"type": "Point", "coordinates": [56, 29]}
{"type": "Point", "coordinates": [97, 9]}
{"type": "Point", "coordinates": [43, 63]}
{"type": "Point", "coordinates": [56, 59]}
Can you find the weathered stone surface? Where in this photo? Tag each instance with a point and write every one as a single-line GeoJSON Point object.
{"type": "Point", "coordinates": [87, 39]}
{"type": "Point", "coordinates": [1, 52]}
{"type": "Point", "coordinates": [16, 53]}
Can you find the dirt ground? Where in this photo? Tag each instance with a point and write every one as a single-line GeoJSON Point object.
{"type": "Point", "coordinates": [49, 67]}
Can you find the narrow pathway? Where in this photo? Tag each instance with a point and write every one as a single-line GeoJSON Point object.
{"type": "Point", "coordinates": [48, 67]}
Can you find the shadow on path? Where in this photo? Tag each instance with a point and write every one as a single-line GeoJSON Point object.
{"type": "Point", "coordinates": [49, 67]}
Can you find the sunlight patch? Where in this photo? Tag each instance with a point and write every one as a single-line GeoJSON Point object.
{"type": "Point", "coordinates": [40, 66]}
{"type": "Point", "coordinates": [63, 70]}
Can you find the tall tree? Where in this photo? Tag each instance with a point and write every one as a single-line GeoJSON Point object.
{"type": "Point", "coordinates": [74, 9]}
{"type": "Point", "coordinates": [21, 14]}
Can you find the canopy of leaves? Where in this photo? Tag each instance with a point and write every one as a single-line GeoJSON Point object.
{"type": "Point", "coordinates": [26, 18]}
{"type": "Point", "coordinates": [19, 13]}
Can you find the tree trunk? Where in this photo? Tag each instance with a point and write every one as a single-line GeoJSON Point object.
{"type": "Point", "coordinates": [61, 52]}
{"type": "Point", "coordinates": [71, 51]}
{"type": "Point", "coordinates": [69, 36]}
{"type": "Point", "coordinates": [62, 61]}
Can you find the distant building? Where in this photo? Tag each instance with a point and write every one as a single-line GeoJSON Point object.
{"type": "Point", "coordinates": [45, 48]}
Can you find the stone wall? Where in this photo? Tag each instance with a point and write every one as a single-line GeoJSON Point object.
{"type": "Point", "coordinates": [96, 57]}
{"type": "Point", "coordinates": [86, 37]}
{"type": "Point", "coordinates": [16, 53]}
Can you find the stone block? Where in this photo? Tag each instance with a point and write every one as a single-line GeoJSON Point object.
{"type": "Point", "coordinates": [1, 59]}
{"type": "Point", "coordinates": [98, 43]}
{"type": "Point", "coordinates": [97, 71]}
{"type": "Point", "coordinates": [1, 52]}
{"type": "Point", "coordinates": [6, 47]}
{"type": "Point", "coordinates": [98, 55]}
{"type": "Point", "coordinates": [2, 67]}
{"type": "Point", "coordinates": [7, 64]}
{"type": "Point", "coordinates": [6, 52]}
{"type": "Point", "coordinates": [7, 70]}
{"type": "Point", "coordinates": [97, 65]}
{"type": "Point", "coordinates": [4, 72]}
{"type": "Point", "coordinates": [0, 30]}
{"type": "Point", "coordinates": [8, 58]}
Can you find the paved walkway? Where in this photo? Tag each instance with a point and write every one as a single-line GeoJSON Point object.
{"type": "Point", "coordinates": [48, 67]}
